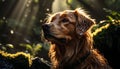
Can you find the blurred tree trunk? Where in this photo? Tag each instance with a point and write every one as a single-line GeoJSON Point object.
{"type": "Point", "coordinates": [95, 7]}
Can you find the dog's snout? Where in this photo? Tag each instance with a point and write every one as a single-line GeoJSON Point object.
{"type": "Point", "coordinates": [46, 27]}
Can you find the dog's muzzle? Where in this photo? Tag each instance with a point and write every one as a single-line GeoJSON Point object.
{"type": "Point", "coordinates": [46, 30]}
{"type": "Point", "coordinates": [48, 35]}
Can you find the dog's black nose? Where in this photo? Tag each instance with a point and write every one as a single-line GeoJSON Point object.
{"type": "Point", "coordinates": [45, 27]}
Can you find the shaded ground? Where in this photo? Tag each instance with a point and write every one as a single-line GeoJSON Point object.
{"type": "Point", "coordinates": [21, 61]}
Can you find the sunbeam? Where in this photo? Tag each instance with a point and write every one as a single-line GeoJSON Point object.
{"type": "Point", "coordinates": [22, 18]}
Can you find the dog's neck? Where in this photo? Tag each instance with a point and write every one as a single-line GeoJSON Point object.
{"type": "Point", "coordinates": [72, 51]}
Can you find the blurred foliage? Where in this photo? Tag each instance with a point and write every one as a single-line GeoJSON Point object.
{"type": "Point", "coordinates": [19, 59]}
{"type": "Point", "coordinates": [113, 19]}
{"type": "Point", "coordinates": [106, 36]}
{"type": "Point", "coordinates": [40, 49]}
{"type": "Point", "coordinates": [107, 30]}
{"type": "Point", "coordinates": [33, 49]}
{"type": "Point", "coordinates": [113, 16]}
{"type": "Point", "coordinates": [95, 7]}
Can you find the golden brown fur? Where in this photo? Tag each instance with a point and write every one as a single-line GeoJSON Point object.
{"type": "Point", "coordinates": [71, 42]}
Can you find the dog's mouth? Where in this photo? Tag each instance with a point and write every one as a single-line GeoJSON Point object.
{"type": "Point", "coordinates": [49, 36]}
{"type": "Point", "coordinates": [52, 38]}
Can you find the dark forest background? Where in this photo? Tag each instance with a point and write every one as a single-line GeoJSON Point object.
{"type": "Point", "coordinates": [21, 20]}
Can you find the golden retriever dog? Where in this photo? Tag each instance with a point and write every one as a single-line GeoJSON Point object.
{"type": "Point", "coordinates": [71, 42]}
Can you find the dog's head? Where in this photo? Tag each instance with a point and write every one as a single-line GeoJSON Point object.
{"type": "Point", "coordinates": [66, 25]}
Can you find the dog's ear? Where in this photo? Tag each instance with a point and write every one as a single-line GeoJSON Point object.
{"type": "Point", "coordinates": [83, 22]}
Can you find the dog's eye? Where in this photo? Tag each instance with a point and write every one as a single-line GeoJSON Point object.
{"type": "Point", "coordinates": [65, 20]}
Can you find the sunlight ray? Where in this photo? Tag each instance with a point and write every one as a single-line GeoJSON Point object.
{"type": "Point", "coordinates": [24, 15]}
{"type": "Point", "coordinates": [19, 9]}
